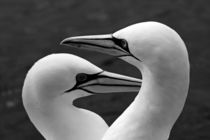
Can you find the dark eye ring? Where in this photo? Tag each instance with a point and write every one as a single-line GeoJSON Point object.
{"type": "Point", "coordinates": [123, 43]}
{"type": "Point", "coordinates": [81, 77]}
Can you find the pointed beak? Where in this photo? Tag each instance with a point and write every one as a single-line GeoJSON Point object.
{"type": "Point", "coordinates": [107, 82]}
{"type": "Point", "coordinates": [100, 43]}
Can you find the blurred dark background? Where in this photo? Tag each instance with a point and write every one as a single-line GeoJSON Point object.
{"type": "Point", "coordinates": [31, 29]}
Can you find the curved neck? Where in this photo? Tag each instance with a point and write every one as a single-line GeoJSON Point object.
{"type": "Point", "coordinates": [164, 91]}
{"type": "Point", "coordinates": [157, 106]}
{"type": "Point", "coordinates": [162, 97]}
{"type": "Point", "coordinates": [57, 120]}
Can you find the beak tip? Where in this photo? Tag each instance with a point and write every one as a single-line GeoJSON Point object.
{"type": "Point", "coordinates": [61, 43]}
{"type": "Point", "coordinates": [64, 42]}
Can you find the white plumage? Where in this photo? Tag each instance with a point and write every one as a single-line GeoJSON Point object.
{"type": "Point", "coordinates": [54, 82]}
{"type": "Point", "coordinates": [161, 56]}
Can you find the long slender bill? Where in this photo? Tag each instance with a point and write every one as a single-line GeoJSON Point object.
{"type": "Point", "coordinates": [100, 43]}
{"type": "Point", "coordinates": [107, 82]}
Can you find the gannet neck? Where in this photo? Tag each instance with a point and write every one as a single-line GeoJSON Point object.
{"type": "Point", "coordinates": [161, 98]}
{"type": "Point", "coordinates": [155, 109]}
{"type": "Point", "coordinates": [56, 120]}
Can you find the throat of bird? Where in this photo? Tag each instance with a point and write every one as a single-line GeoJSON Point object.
{"type": "Point", "coordinates": [155, 109]}
{"type": "Point", "coordinates": [159, 102]}
{"type": "Point", "coordinates": [54, 119]}
{"type": "Point", "coordinates": [59, 120]}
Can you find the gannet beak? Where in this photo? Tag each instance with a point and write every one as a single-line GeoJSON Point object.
{"type": "Point", "coordinates": [100, 43]}
{"type": "Point", "coordinates": [107, 82]}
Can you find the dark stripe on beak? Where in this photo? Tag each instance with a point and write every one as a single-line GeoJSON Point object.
{"type": "Point", "coordinates": [101, 43]}
{"type": "Point", "coordinates": [106, 82]}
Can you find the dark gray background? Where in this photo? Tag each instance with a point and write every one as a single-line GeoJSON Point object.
{"type": "Point", "coordinates": [31, 29]}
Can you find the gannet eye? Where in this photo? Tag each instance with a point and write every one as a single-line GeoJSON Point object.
{"type": "Point", "coordinates": [123, 43]}
{"type": "Point", "coordinates": [81, 77]}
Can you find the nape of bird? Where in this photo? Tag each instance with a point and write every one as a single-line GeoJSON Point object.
{"type": "Point", "coordinates": [161, 56]}
{"type": "Point", "coordinates": [54, 82]}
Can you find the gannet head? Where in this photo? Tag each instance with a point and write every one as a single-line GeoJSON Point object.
{"type": "Point", "coordinates": [150, 43]}
{"type": "Point", "coordinates": [55, 81]}
{"type": "Point", "coordinates": [60, 75]}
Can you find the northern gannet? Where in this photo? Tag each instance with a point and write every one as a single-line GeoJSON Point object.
{"type": "Point", "coordinates": [161, 56]}
{"type": "Point", "coordinates": [54, 82]}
